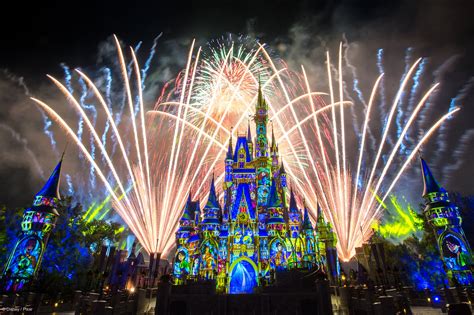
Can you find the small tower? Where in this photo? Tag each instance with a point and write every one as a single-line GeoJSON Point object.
{"type": "Point", "coordinates": [38, 221]}
{"type": "Point", "coordinates": [209, 229]}
{"type": "Point", "coordinates": [445, 220]}
{"type": "Point", "coordinates": [242, 154]}
{"type": "Point", "coordinates": [294, 215]}
{"type": "Point", "coordinates": [228, 163]}
{"type": "Point", "coordinates": [211, 210]}
{"type": "Point", "coordinates": [283, 185]}
{"type": "Point", "coordinates": [262, 162]}
{"type": "Point", "coordinates": [280, 250]}
{"type": "Point", "coordinates": [309, 257]}
{"type": "Point", "coordinates": [261, 121]}
{"type": "Point", "coordinates": [327, 250]}
{"type": "Point", "coordinates": [249, 140]}
{"type": "Point", "coordinates": [274, 153]}
{"type": "Point", "coordinates": [187, 239]}
{"type": "Point", "coordinates": [294, 226]}
{"type": "Point", "coordinates": [276, 225]}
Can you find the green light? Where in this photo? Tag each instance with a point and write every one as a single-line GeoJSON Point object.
{"type": "Point", "coordinates": [88, 210]}
{"type": "Point", "coordinates": [99, 211]}
{"type": "Point", "coordinates": [399, 221]}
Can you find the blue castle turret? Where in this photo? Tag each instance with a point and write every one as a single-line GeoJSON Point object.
{"type": "Point", "coordinates": [36, 226]}
{"type": "Point", "coordinates": [445, 220]}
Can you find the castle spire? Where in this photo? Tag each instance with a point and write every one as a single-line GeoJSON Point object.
{"type": "Point", "coordinates": [212, 201]}
{"type": "Point", "coordinates": [229, 149]}
{"type": "Point", "coordinates": [211, 209]}
{"type": "Point", "coordinates": [274, 148]}
{"type": "Point", "coordinates": [187, 209]}
{"type": "Point", "coordinates": [445, 220]}
{"type": "Point", "coordinates": [249, 132]}
{"type": "Point", "coordinates": [51, 188]}
{"type": "Point", "coordinates": [273, 200]}
{"type": "Point", "coordinates": [306, 221]}
{"type": "Point", "coordinates": [293, 205]}
{"type": "Point", "coordinates": [261, 121]}
{"type": "Point", "coordinates": [430, 184]}
{"type": "Point", "coordinates": [320, 214]}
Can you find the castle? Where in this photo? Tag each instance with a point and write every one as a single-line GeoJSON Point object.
{"type": "Point", "coordinates": [36, 226]}
{"type": "Point", "coordinates": [446, 222]}
{"type": "Point", "coordinates": [257, 231]}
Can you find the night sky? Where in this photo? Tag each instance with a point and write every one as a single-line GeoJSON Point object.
{"type": "Point", "coordinates": [36, 37]}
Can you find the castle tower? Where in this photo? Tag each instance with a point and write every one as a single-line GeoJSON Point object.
{"type": "Point", "coordinates": [274, 154]}
{"type": "Point", "coordinates": [249, 140]}
{"type": "Point", "coordinates": [261, 121]}
{"type": "Point", "coordinates": [276, 223]}
{"type": "Point", "coordinates": [228, 164]}
{"type": "Point", "coordinates": [294, 226]}
{"type": "Point", "coordinates": [294, 217]}
{"type": "Point", "coordinates": [242, 154]}
{"type": "Point", "coordinates": [445, 220]}
{"type": "Point", "coordinates": [209, 229]}
{"type": "Point", "coordinates": [327, 250]}
{"type": "Point", "coordinates": [242, 246]}
{"type": "Point", "coordinates": [187, 239]}
{"type": "Point", "coordinates": [283, 185]}
{"type": "Point", "coordinates": [262, 160]}
{"type": "Point", "coordinates": [280, 249]}
{"type": "Point", "coordinates": [309, 257]}
{"type": "Point", "coordinates": [211, 210]}
{"type": "Point", "coordinates": [36, 226]}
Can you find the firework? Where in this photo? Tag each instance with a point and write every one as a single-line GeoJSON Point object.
{"type": "Point", "coordinates": [138, 195]}
{"type": "Point", "coordinates": [177, 146]}
{"type": "Point", "coordinates": [349, 201]}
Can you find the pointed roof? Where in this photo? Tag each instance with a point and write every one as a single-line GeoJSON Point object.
{"type": "Point", "coordinates": [187, 215]}
{"type": "Point", "coordinates": [243, 192]}
{"type": "Point", "coordinates": [274, 148]}
{"type": "Point", "coordinates": [430, 184]}
{"type": "Point", "coordinates": [212, 201]}
{"type": "Point", "coordinates": [293, 205]}
{"type": "Point", "coordinates": [260, 99]}
{"type": "Point", "coordinates": [249, 132]}
{"type": "Point", "coordinates": [51, 188]}
{"type": "Point", "coordinates": [195, 207]}
{"type": "Point", "coordinates": [282, 168]}
{"type": "Point", "coordinates": [132, 250]}
{"type": "Point", "coordinates": [273, 200]}
{"type": "Point", "coordinates": [320, 215]}
{"type": "Point", "coordinates": [229, 149]}
{"type": "Point", "coordinates": [242, 142]}
{"type": "Point", "coordinates": [306, 221]}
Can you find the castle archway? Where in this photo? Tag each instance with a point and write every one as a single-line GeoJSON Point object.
{"type": "Point", "coordinates": [243, 276]}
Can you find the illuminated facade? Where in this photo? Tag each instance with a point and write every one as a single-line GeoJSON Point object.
{"type": "Point", "coordinates": [445, 219]}
{"type": "Point", "coordinates": [38, 221]}
{"type": "Point", "coordinates": [258, 230]}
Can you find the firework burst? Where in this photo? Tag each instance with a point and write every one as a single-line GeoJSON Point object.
{"type": "Point", "coordinates": [346, 186]}
{"type": "Point", "coordinates": [139, 174]}
{"type": "Point", "coordinates": [177, 146]}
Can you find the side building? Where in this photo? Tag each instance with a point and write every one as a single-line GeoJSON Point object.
{"type": "Point", "coordinates": [38, 222]}
{"type": "Point", "coordinates": [446, 222]}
